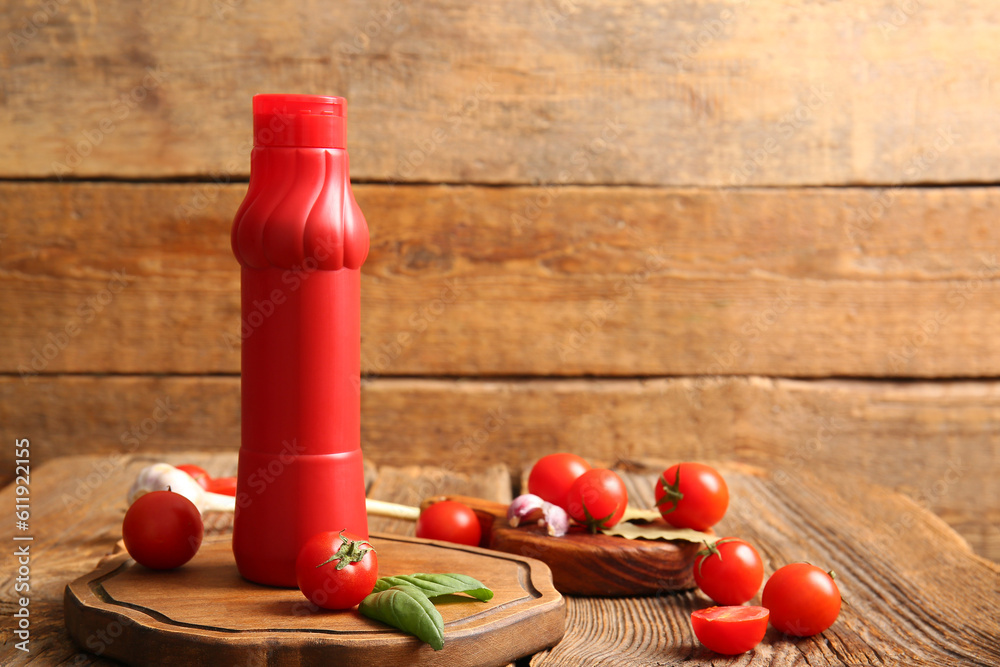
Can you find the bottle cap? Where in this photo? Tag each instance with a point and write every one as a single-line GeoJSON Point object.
{"type": "Point", "coordinates": [301, 121]}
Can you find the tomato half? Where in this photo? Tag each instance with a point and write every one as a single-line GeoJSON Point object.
{"type": "Point", "coordinates": [692, 495]}
{"type": "Point", "coordinates": [450, 521]}
{"type": "Point", "coordinates": [198, 473]}
{"type": "Point", "coordinates": [597, 499]}
{"type": "Point", "coordinates": [552, 476]}
{"type": "Point", "coordinates": [336, 570]}
{"type": "Point", "coordinates": [729, 571]}
{"type": "Point", "coordinates": [730, 630]}
{"type": "Point", "coordinates": [162, 530]}
{"type": "Point", "coordinates": [803, 599]}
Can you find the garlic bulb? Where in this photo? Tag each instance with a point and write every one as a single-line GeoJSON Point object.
{"type": "Point", "coordinates": [159, 476]}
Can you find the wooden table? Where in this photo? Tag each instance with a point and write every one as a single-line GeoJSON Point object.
{"type": "Point", "coordinates": [915, 594]}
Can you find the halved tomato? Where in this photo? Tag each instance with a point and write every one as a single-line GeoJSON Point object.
{"type": "Point", "coordinates": [730, 630]}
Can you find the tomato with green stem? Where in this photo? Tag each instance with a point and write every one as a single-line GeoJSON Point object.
{"type": "Point", "coordinates": [162, 530]}
{"type": "Point", "coordinates": [692, 495]}
{"type": "Point", "coordinates": [450, 521]}
{"type": "Point", "coordinates": [730, 630]}
{"type": "Point", "coordinates": [597, 499]}
{"type": "Point", "coordinates": [552, 476]}
{"type": "Point", "coordinates": [729, 571]}
{"type": "Point", "coordinates": [336, 570]}
{"type": "Point", "coordinates": [803, 599]}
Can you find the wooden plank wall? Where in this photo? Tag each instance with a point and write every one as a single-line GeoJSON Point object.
{"type": "Point", "coordinates": [729, 230]}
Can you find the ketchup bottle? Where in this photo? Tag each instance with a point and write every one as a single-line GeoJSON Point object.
{"type": "Point", "coordinates": [300, 240]}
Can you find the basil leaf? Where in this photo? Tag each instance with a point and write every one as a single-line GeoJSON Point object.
{"type": "Point", "coordinates": [434, 585]}
{"type": "Point", "coordinates": [408, 609]}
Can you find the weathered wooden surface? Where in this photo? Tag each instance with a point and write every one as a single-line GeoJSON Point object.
{"type": "Point", "coordinates": [594, 91]}
{"type": "Point", "coordinates": [914, 594]}
{"type": "Point", "coordinates": [936, 442]}
{"type": "Point", "coordinates": [78, 503]}
{"type": "Point", "coordinates": [140, 278]}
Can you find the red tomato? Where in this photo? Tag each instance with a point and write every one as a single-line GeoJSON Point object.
{"type": "Point", "coordinates": [597, 499]}
{"type": "Point", "coordinates": [450, 521]}
{"type": "Point", "coordinates": [803, 599]}
{"type": "Point", "coordinates": [729, 571]}
{"type": "Point", "coordinates": [223, 485]}
{"type": "Point", "coordinates": [336, 570]}
{"type": "Point", "coordinates": [692, 495]}
{"type": "Point", "coordinates": [730, 630]}
{"type": "Point", "coordinates": [162, 530]}
{"type": "Point", "coordinates": [197, 473]}
{"type": "Point", "coordinates": [552, 476]}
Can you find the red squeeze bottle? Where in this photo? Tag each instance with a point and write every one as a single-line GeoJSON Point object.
{"type": "Point", "coordinates": [300, 239]}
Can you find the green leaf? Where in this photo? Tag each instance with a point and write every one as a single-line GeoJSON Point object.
{"type": "Point", "coordinates": [406, 608]}
{"type": "Point", "coordinates": [434, 585]}
{"type": "Point", "coordinates": [659, 530]}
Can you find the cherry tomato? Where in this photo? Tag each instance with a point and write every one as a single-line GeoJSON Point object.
{"type": "Point", "coordinates": [336, 570]}
{"type": "Point", "coordinates": [729, 571]}
{"type": "Point", "coordinates": [162, 530]}
{"type": "Point", "coordinates": [223, 485]}
{"type": "Point", "coordinates": [552, 476]}
{"type": "Point", "coordinates": [450, 521]}
{"type": "Point", "coordinates": [692, 495]}
{"type": "Point", "coordinates": [197, 473]}
{"type": "Point", "coordinates": [597, 499]}
{"type": "Point", "coordinates": [730, 630]}
{"type": "Point", "coordinates": [803, 599]}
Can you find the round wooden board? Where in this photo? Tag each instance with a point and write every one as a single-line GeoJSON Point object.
{"type": "Point", "coordinates": [604, 565]}
{"type": "Point", "coordinates": [205, 614]}
{"type": "Point", "coordinates": [590, 565]}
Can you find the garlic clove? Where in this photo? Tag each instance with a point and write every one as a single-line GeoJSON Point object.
{"type": "Point", "coordinates": [525, 508]}
{"type": "Point", "coordinates": [556, 520]}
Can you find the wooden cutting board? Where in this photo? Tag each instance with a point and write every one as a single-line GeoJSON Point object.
{"type": "Point", "coordinates": [205, 614]}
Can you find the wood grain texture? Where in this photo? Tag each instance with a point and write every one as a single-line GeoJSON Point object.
{"type": "Point", "coordinates": [936, 442]}
{"type": "Point", "coordinates": [113, 278]}
{"type": "Point", "coordinates": [917, 595]}
{"type": "Point", "coordinates": [914, 593]}
{"type": "Point", "coordinates": [702, 93]}
{"type": "Point", "coordinates": [78, 502]}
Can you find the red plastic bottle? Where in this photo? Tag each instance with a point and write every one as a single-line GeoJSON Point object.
{"type": "Point", "coordinates": [300, 240]}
